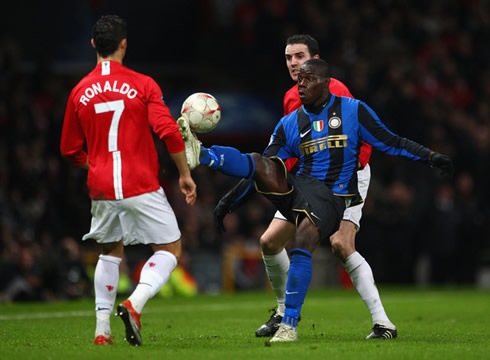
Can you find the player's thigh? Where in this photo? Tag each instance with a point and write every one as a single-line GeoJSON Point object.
{"type": "Point", "coordinates": [149, 219]}
{"type": "Point", "coordinates": [270, 174]}
{"type": "Point", "coordinates": [277, 234]}
{"type": "Point", "coordinates": [113, 249]}
{"type": "Point", "coordinates": [307, 235]}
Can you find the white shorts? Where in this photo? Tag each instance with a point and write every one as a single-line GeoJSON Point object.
{"type": "Point", "coordinates": [143, 219]}
{"type": "Point", "coordinates": [354, 213]}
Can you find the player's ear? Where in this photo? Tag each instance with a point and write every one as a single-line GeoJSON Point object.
{"type": "Point", "coordinates": [327, 82]}
{"type": "Point", "coordinates": [93, 43]}
{"type": "Point", "coordinates": [123, 44]}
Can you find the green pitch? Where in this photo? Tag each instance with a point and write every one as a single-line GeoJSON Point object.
{"type": "Point", "coordinates": [432, 324]}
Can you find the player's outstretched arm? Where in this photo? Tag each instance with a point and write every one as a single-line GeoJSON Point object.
{"type": "Point", "coordinates": [377, 134]}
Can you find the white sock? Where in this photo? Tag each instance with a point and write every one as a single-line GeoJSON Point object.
{"type": "Point", "coordinates": [362, 277]}
{"type": "Point", "coordinates": [154, 275]}
{"type": "Point", "coordinates": [277, 267]}
{"type": "Point", "coordinates": [106, 280]}
{"type": "Point", "coordinates": [103, 326]}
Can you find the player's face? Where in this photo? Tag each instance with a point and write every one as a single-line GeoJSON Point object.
{"type": "Point", "coordinates": [313, 88]}
{"type": "Point", "coordinates": [296, 55]}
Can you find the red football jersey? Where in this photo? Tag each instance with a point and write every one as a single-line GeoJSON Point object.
{"type": "Point", "coordinates": [291, 102]}
{"type": "Point", "coordinates": [111, 109]}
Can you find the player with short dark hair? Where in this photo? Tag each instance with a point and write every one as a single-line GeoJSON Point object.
{"type": "Point", "coordinates": [111, 110]}
{"type": "Point", "coordinates": [325, 134]}
{"type": "Point", "coordinates": [308, 40]}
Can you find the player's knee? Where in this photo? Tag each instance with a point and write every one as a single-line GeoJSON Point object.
{"type": "Point", "coordinates": [177, 253]}
{"type": "Point", "coordinates": [340, 245]}
{"type": "Point", "coordinates": [336, 243]}
{"type": "Point", "coordinates": [113, 249]}
{"type": "Point", "coordinates": [267, 244]}
{"type": "Point", "coordinates": [173, 248]}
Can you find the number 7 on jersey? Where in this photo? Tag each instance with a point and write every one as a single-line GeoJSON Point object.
{"type": "Point", "coordinates": [117, 107]}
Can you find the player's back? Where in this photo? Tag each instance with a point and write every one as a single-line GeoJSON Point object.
{"type": "Point", "coordinates": [111, 104]}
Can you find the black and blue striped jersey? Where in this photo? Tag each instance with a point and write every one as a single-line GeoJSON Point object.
{"type": "Point", "coordinates": [327, 144]}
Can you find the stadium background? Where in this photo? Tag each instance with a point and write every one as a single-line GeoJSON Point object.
{"type": "Point", "coordinates": [422, 65]}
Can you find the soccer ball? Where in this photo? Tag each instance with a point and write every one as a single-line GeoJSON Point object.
{"type": "Point", "coordinates": [202, 111]}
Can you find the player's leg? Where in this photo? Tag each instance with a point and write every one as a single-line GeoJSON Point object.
{"type": "Point", "coordinates": [149, 219]}
{"type": "Point", "coordinates": [319, 213]}
{"type": "Point", "coordinates": [227, 160]}
{"type": "Point", "coordinates": [359, 270]}
{"type": "Point", "coordinates": [276, 261]}
{"type": "Point", "coordinates": [106, 230]}
{"type": "Point", "coordinates": [106, 280]}
{"type": "Point", "coordinates": [269, 175]}
{"type": "Point", "coordinates": [362, 278]}
{"type": "Point", "coordinates": [299, 278]}
{"type": "Point", "coordinates": [191, 142]}
{"type": "Point", "coordinates": [155, 273]}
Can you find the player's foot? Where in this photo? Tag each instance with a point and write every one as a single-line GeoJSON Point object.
{"type": "Point", "coordinates": [285, 333]}
{"type": "Point", "coordinates": [191, 142]}
{"type": "Point", "coordinates": [383, 331]}
{"type": "Point", "coordinates": [102, 340]}
{"type": "Point", "coordinates": [131, 321]}
{"type": "Point", "coordinates": [270, 327]}
{"type": "Point", "coordinates": [209, 158]}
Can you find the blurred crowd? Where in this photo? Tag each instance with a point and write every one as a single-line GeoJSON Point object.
{"type": "Point", "coordinates": [424, 66]}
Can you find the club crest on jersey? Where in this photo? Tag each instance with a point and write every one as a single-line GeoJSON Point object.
{"type": "Point", "coordinates": [318, 125]}
{"type": "Point", "coordinates": [334, 122]}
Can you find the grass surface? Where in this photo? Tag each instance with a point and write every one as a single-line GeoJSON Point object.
{"type": "Point", "coordinates": [432, 324]}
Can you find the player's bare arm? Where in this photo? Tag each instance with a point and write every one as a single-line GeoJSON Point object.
{"type": "Point", "coordinates": [186, 183]}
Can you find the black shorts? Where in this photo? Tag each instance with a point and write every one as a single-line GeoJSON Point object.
{"type": "Point", "coordinates": [312, 198]}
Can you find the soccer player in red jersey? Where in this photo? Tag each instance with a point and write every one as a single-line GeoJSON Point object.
{"type": "Point", "coordinates": [300, 48]}
{"type": "Point", "coordinates": [111, 110]}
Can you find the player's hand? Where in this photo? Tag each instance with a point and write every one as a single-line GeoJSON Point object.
{"type": "Point", "coordinates": [188, 188]}
{"type": "Point", "coordinates": [443, 163]}
{"type": "Point", "coordinates": [219, 214]}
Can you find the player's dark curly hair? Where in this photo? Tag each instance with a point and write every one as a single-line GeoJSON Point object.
{"type": "Point", "coordinates": [108, 33]}
{"type": "Point", "coordinates": [308, 40]}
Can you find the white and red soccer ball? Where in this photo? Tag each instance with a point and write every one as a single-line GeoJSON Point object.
{"type": "Point", "coordinates": [202, 111]}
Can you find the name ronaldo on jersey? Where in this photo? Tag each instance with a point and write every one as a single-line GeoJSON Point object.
{"type": "Point", "coordinates": [111, 86]}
